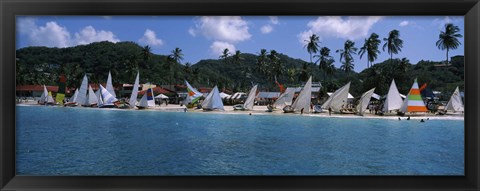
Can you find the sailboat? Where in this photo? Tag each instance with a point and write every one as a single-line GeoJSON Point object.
{"type": "Point", "coordinates": [110, 86]}
{"type": "Point", "coordinates": [50, 100]}
{"type": "Point", "coordinates": [337, 102]}
{"type": "Point", "coordinates": [455, 103]}
{"type": "Point", "coordinates": [98, 94]}
{"type": "Point", "coordinates": [213, 101]}
{"type": "Point", "coordinates": [72, 102]}
{"type": "Point", "coordinates": [82, 93]}
{"type": "Point", "coordinates": [285, 98]}
{"type": "Point", "coordinates": [43, 97]}
{"type": "Point", "coordinates": [249, 102]}
{"type": "Point", "coordinates": [364, 101]}
{"type": "Point", "coordinates": [147, 100]}
{"type": "Point", "coordinates": [133, 97]}
{"type": "Point", "coordinates": [106, 99]}
{"type": "Point", "coordinates": [302, 103]}
{"type": "Point", "coordinates": [414, 101]}
{"type": "Point", "coordinates": [193, 95]}
{"type": "Point", "coordinates": [393, 100]}
{"type": "Point", "coordinates": [91, 99]}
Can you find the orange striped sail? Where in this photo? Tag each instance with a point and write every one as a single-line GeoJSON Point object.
{"type": "Point", "coordinates": [414, 101]}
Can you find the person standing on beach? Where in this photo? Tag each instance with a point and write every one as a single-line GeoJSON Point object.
{"type": "Point", "coordinates": [329, 111]}
{"type": "Point", "coordinates": [301, 111]}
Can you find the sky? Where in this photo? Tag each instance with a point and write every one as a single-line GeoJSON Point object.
{"type": "Point", "coordinates": [205, 37]}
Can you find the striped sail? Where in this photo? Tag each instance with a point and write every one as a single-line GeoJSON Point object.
{"type": "Point", "coordinates": [414, 101]}
{"type": "Point", "coordinates": [107, 97]}
{"type": "Point", "coordinates": [147, 99]}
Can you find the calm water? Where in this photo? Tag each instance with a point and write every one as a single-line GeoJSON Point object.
{"type": "Point", "coordinates": [80, 141]}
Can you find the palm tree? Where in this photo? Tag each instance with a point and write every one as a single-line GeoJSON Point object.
{"type": "Point", "coordinates": [325, 60]}
{"type": "Point", "coordinates": [275, 64]}
{"type": "Point", "coordinates": [261, 62]}
{"type": "Point", "coordinates": [371, 48]}
{"type": "Point", "coordinates": [448, 38]}
{"type": "Point", "coordinates": [225, 55]}
{"type": "Point", "coordinates": [393, 43]}
{"type": "Point", "coordinates": [146, 53]}
{"type": "Point", "coordinates": [177, 55]}
{"type": "Point", "coordinates": [346, 53]}
{"type": "Point", "coordinates": [237, 57]}
{"type": "Point", "coordinates": [312, 45]}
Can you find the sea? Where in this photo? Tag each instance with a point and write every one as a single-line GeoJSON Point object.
{"type": "Point", "coordinates": [62, 141]}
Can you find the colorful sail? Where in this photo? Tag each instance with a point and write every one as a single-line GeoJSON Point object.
{"type": "Point", "coordinates": [193, 95]}
{"type": "Point", "coordinates": [414, 101]}
{"type": "Point", "coordinates": [61, 90]}
{"type": "Point", "coordinates": [147, 99]}
{"type": "Point", "coordinates": [50, 98]}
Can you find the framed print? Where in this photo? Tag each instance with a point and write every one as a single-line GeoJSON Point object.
{"type": "Point", "coordinates": [239, 95]}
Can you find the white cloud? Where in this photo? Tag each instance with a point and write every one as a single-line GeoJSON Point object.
{"type": "Point", "coordinates": [150, 38]}
{"type": "Point", "coordinates": [266, 29]}
{"type": "Point", "coordinates": [447, 19]}
{"type": "Point", "coordinates": [50, 35]}
{"type": "Point", "coordinates": [403, 23]}
{"type": "Point", "coordinates": [352, 28]}
{"type": "Point", "coordinates": [54, 35]}
{"type": "Point", "coordinates": [89, 34]}
{"type": "Point", "coordinates": [218, 46]}
{"type": "Point", "coordinates": [222, 28]}
{"type": "Point", "coordinates": [274, 20]}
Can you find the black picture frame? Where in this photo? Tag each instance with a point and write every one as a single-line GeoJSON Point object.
{"type": "Point", "coordinates": [468, 8]}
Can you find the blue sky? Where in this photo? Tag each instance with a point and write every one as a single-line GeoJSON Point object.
{"type": "Point", "coordinates": [204, 37]}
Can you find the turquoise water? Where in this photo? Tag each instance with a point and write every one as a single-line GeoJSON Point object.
{"type": "Point", "coordinates": [82, 141]}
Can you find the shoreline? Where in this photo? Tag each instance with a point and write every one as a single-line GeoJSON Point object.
{"type": "Point", "coordinates": [261, 110]}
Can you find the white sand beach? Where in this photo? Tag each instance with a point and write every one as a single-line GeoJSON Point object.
{"type": "Point", "coordinates": [262, 110]}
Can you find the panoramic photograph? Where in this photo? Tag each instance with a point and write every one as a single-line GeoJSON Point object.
{"type": "Point", "coordinates": [239, 95]}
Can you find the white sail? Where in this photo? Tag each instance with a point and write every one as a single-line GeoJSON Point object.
{"type": "Point", "coordinates": [147, 99]}
{"type": "Point", "coordinates": [213, 100]}
{"type": "Point", "coordinates": [133, 97]}
{"type": "Point", "coordinates": [251, 98]}
{"type": "Point", "coordinates": [74, 97]}
{"type": "Point", "coordinates": [364, 101]}
{"type": "Point", "coordinates": [43, 98]}
{"type": "Point", "coordinates": [285, 99]}
{"type": "Point", "coordinates": [393, 100]}
{"type": "Point", "coordinates": [110, 86]}
{"type": "Point", "coordinates": [99, 97]}
{"type": "Point", "coordinates": [193, 95]}
{"type": "Point", "coordinates": [106, 96]}
{"type": "Point", "coordinates": [82, 92]}
{"type": "Point", "coordinates": [338, 100]}
{"type": "Point", "coordinates": [304, 98]}
{"type": "Point", "coordinates": [455, 103]}
{"type": "Point", "coordinates": [50, 98]}
{"type": "Point", "coordinates": [92, 98]}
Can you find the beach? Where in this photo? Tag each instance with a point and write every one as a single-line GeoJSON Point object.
{"type": "Point", "coordinates": [262, 110]}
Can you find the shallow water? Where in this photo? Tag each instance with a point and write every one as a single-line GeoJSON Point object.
{"type": "Point", "coordinates": [84, 141]}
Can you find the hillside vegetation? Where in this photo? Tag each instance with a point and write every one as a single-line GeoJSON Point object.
{"type": "Point", "coordinates": [41, 65]}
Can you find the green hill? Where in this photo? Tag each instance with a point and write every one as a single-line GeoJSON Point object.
{"type": "Point", "coordinates": [41, 65]}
